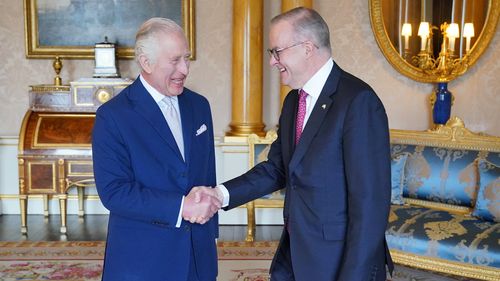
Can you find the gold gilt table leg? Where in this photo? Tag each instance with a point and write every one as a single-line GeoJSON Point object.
{"type": "Point", "coordinates": [46, 205]}
{"type": "Point", "coordinates": [63, 196]}
{"type": "Point", "coordinates": [62, 206]}
{"type": "Point", "coordinates": [81, 194]}
{"type": "Point", "coordinates": [80, 187]}
{"type": "Point", "coordinates": [23, 197]}
{"type": "Point", "coordinates": [250, 221]}
{"type": "Point", "coordinates": [23, 203]}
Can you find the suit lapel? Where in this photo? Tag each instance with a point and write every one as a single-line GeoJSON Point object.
{"type": "Point", "coordinates": [320, 110]}
{"type": "Point", "coordinates": [145, 106]}
{"type": "Point", "coordinates": [186, 109]}
{"type": "Point", "coordinates": [288, 125]}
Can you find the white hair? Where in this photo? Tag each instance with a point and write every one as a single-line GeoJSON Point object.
{"type": "Point", "coordinates": [146, 39]}
{"type": "Point", "coordinates": [307, 24]}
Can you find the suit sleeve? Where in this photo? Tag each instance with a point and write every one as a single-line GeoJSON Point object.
{"type": "Point", "coordinates": [118, 190]}
{"type": "Point", "coordinates": [367, 170]}
{"type": "Point", "coordinates": [265, 178]}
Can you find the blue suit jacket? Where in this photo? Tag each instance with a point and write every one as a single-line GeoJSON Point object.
{"type": "Point", "coordinates": [337, 182]}
{"type": "Point", "coordinates": [141, 178]}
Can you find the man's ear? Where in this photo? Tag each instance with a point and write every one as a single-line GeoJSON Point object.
{"type": "Point", "coordinates": [309, 48]}
{"type": "Point", "coordinates": [145, 63]}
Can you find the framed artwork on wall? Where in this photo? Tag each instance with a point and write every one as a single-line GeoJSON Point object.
{"type": "Point", "coordinates": [71, 28]}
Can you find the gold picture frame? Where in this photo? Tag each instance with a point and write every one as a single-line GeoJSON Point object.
{"type": "Point", "coordinates": [402, 66]}
{"type": "Point", "coordinates": [42, 42]}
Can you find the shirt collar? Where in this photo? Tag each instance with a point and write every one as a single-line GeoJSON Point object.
{"type": "Point", "coordinates": [157, 96]}
{"type": "Point", "coordinates": [314, 86]}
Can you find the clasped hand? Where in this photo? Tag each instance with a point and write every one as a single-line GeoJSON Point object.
{"type": "Point", "coordinates": [201, 204]}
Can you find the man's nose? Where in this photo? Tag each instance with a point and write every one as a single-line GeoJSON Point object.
{"type": "Point", "coordinates": [184, 67]}
{"type": "Point", "coordinates": [273, 61]}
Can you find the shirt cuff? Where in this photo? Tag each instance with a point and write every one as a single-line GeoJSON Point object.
{"type": "Point", "coordinates": [179, 218]}
{"type": "Point", "coordinates": [225, 194]}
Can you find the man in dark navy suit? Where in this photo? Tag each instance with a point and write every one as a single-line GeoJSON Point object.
{"type": "Point", "coordinates": [331, 156]}
{"type": "Point", "coordinates": [151, 144]}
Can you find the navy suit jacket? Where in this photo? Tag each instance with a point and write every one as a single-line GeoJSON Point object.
{"type": "Point", "coordinates": [141, 178]}
{"type": "Point", "coordinates": [337, 182]}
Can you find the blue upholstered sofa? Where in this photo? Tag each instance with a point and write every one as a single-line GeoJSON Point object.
{"type": "Point", "coordinates": [445, 213]}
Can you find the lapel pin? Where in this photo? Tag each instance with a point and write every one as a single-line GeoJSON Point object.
{"type": "Point", "coordinates": [323, 106]}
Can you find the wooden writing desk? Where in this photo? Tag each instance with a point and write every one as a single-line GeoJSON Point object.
{"type": "Point", "coordinates": [55, 141]}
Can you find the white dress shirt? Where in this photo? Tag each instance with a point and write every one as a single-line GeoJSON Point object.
{"type": "Point", "coordinates": [314, 86]}
{"type": "Point", "coordinates": [157, 96]}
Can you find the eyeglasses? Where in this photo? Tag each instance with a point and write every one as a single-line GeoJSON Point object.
{"type": "Point", "coordinates": [275, 52]}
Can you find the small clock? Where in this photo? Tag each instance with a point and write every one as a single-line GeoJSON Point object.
{"type": "Point", "coordinates": [105, 60]}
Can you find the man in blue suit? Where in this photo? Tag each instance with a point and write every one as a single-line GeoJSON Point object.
{"type": "Point", "coordinates": [331, 156]}
{"type": "Point", "coordinates": [151, 144]}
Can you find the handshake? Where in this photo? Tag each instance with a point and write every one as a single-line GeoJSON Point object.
{"type": "Point", "coordinates": [201, 204]}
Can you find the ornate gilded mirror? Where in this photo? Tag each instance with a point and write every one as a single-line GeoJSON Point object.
{"type": "Point", "coordinates": [433, 40]}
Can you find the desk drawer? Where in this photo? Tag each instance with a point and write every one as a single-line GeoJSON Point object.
{"type": "Point", "coordinates": [79, 168]}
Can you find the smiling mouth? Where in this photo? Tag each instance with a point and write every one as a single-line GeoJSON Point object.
{"type": "Point", "coordinates": [178, 81]}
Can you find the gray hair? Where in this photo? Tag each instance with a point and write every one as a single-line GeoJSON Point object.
{"type": "Point", "coordinates": [146, 39]}
{"type": "Point", "coordinates": [307, 24]}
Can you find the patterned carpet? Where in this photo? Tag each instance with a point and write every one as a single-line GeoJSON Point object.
{"type": "Point", "coordinates": [238, 261]}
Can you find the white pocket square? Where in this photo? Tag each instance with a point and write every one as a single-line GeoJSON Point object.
{"type": "Point", "coordinates": [202, 129]}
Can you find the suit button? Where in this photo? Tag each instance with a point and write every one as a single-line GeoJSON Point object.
{"type": "Point", "coordinates": [183, 175]}
{"type": "Point", "coordinates": [187, 228]}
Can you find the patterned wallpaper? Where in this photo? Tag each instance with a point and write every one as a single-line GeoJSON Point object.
{"type": "Point", "coordinates": [476, 93]}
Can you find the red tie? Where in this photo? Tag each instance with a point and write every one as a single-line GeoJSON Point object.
{"type": "Point", "coordinates": [301, 114]}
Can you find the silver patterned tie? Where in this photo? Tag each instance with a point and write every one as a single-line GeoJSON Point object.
{"type": "Point", "coordinates": [173, 120]}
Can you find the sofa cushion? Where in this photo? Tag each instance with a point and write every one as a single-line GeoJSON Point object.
{"type": "Point", "coordinates": [439, 174]}
{"type": "Point", "coordinates": [444, 235]}
{"type": "Point", "coordinates": [397, 178]}
{"type": "Point", "coordinates": [488, 197]}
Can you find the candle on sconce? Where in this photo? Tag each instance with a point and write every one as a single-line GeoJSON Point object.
{"type": "Point", "coordinates": [468, 33]}
{"type": "Point", "coordinates": [452, 32]}
{"type": "Point", "coordinates": [423, 32]}
{"type": "Point", "coordinates": [406, 32]}
{"type": "Point", "coordinates": [406, 11]}
{"type": "Point", "coordinates": [452, 11]}
{"type": "Point", "coordinates": [424, 10]}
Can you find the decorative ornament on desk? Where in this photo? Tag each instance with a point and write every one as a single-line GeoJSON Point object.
{"type": "Point", "coordinates": [105, 60]}
{"type": "Point", "coordinates": [57, 64]}
{"type": "Point", "coordinates": [57, 86]}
